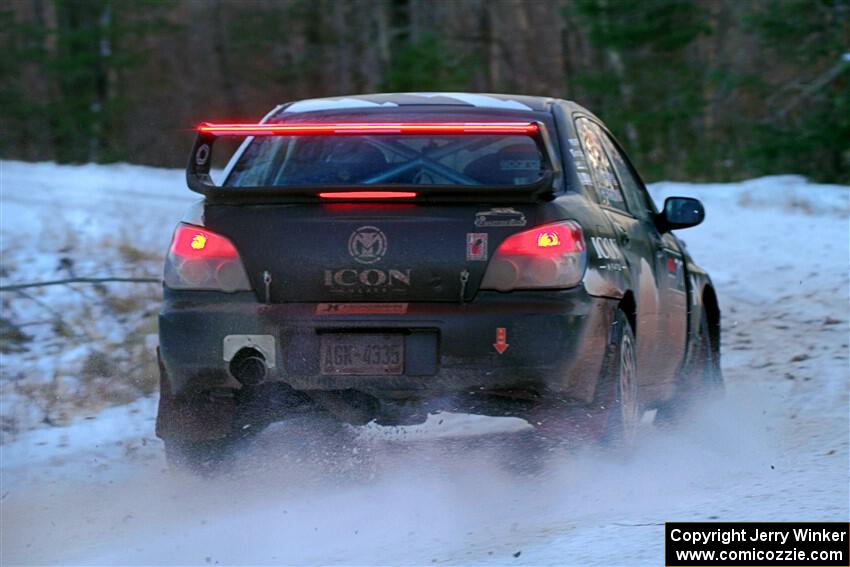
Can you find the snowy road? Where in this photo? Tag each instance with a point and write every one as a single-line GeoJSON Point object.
{"type": "Point", "coordinates": [97, 491]}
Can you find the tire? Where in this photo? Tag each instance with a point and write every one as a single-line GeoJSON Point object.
{"type": "Point", "coordinates": [617, 393]}
{"type": "Point", "coordinates": [613, 416]}
{"type": "Point", "coordinates": [700, 378]}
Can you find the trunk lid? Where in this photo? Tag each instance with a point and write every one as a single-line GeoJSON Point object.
{"type": "Point", "coordinates": [354, 252]}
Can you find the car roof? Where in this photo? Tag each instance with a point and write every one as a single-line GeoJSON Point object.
{"type": "Point", "coordinates": [427, 99]}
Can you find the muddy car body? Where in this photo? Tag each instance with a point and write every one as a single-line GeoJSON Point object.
{"type": "Point", "coordinates": [383, 256]}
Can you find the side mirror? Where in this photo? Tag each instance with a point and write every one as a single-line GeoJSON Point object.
{"type": "Point", "coordinates": [681, 212]}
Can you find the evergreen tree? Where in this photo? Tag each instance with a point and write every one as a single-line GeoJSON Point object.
{"type": "Point", "coordinates": [643, 82]}
{"type": "Point", "coordinates": [806, 126]}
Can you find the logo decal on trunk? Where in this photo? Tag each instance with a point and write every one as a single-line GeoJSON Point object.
{"type": "Point", "coordinates": [367, 244]}
{"type": "Point", "coordinates": [366, 281]}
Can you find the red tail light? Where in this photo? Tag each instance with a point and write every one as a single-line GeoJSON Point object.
{"type": "Point", "coordinates": [369, 195]}
{"type": "Point", "coordinates": [201, 259]}
{"type": "Point", "coordinates": [192, 242]}
{"type": "Point", "coordinates": [550, 256]}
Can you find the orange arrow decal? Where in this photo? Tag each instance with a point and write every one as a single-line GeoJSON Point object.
{"type": "Point", "coordinates": [501, 344]}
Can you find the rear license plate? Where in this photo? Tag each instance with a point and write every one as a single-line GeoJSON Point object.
{"type": "Point", "coordinates": [362, 355]}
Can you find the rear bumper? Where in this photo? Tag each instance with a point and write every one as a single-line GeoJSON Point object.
{"type": "Point", "coordinates": [556, 341]}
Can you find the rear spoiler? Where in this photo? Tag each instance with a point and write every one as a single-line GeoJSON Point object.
{"type": "Point", "coordinates": [199, 180]}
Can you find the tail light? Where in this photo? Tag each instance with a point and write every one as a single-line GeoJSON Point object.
{"type": "Point", "coordinates": [548, 256]}
{"type": "Point", "coordinates": [202, 259]}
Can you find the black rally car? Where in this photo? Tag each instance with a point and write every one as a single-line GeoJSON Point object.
{"type": "Point", "coordinates": [381, 257]}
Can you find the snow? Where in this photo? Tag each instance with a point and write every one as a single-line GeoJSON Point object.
{"type": "Point", "coordinates": [454, 490]}
{"type": "Point", "coordinates": [77, 221]}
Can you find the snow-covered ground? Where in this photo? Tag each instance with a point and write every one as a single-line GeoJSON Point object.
{"type": "Point", "coordinates": [96, 490]}
{"type": "Point", "coordinates": [71, 349]}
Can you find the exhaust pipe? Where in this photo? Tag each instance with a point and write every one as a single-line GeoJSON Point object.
{"type": "Point", "coordinates": [249, 367]}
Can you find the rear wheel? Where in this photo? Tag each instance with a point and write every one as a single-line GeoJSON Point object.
{"type": "Point", "coordinates": [613, 416]}
{"type": "Point", "coordinates": [699, 379]}
{"type": "Point", "coordinates": [618, 386]}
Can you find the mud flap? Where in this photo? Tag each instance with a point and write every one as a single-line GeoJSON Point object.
{"type": "Point", "coordinates": [574, 422]}
{"type": "Point", "coordinates": [198, 418]}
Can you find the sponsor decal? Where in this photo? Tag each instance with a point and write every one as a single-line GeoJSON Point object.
{"type": "Point", "coordinates": [671, 265]}
{"type": "Point", "coordinates": [607, 185]}
{"type": "Point", "coordinates": [476, 246]}
{"type": "Point", "coordinates": [361, 309]}
{"type": "Point", "coordinates": [366, 281]}
{"type": "Point", "coordinates": [500, 216]}
{"type": "Point", "coordinates": [581, 165]}
{"type": "Point", "coordinates": [202, 154]}
{"type": "Point", "coordinates": [612, 267]}
{"type": "Point", "coordinates": [367, 244]}
{"type": "Point", "coordinates": [606, 248]}
{"type": "Point", "coordinates": [676, 272]}
{"type": "Point", "coordinates": [348, 277]}
{"type": "Point", "coordinates": [519, 164]}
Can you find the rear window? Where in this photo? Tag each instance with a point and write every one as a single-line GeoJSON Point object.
{"type": "Point", "coordinates": [465, 160]}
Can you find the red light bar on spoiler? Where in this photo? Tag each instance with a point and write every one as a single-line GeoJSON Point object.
{"type": "Point", "coordinates": [369, 128]}
{"type": "Point", "coordinates": [368, 195]}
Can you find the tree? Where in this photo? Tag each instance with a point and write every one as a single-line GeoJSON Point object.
{"type": "Point", "coordinates": [643, 81]}
{"type": "Point", "coordinates": [806, 122]}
